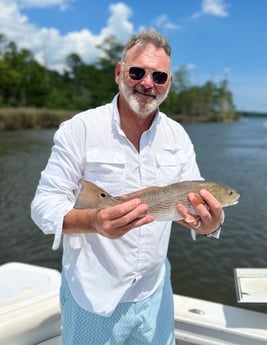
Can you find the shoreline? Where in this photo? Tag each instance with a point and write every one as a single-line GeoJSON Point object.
{"type": "Point", "coordinates": [44, 118]}
{"type": "Point", "coordinates": [32, 118]}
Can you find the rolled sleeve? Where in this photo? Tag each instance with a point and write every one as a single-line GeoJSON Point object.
{"type": "Point", "coordinates": [48, 210]}
{"type": "Point", "coordinates": [59, 229]}
{"type": "Point", "coordinates": [59, 183]}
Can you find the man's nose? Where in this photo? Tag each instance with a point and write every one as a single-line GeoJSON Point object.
{"type": "Point", "coordinates": [147, 81]}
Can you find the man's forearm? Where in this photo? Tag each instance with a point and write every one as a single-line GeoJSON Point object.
{"type": "Point", "coordinates": [78, 221]}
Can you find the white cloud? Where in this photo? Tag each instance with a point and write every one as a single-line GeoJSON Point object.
{"type": "Point", "coordinates": [62, 4]}
{"type": "Point", "coordinates": [48, 45]}
{"type": "Point", "coordinates": [212, 7]}
{"type": "Point", "coordinates": [118, 23]}
{"type": "Point", "coordinates": [164, 22]}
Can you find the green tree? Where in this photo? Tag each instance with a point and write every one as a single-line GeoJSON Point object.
{"type": "Point", "coordinates": [75, 63]}
{"type": "Point", "coordinates": [24, 82]}
{"type": "Point", "coordinates": [181, 80]}
{"type": "Point", "coordinates": [21, 78]}
{"type": "Point", "coordinates": [111, 50]}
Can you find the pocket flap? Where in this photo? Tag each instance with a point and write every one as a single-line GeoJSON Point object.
{"type": "Point", "coordinates": [105, 156]}
{"type": "Point", "coordinates": [167, 159]}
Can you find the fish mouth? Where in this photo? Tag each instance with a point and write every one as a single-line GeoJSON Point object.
{"type": "Point", "coordinates": [232, 203]}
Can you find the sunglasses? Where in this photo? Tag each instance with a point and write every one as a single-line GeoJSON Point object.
{"type": "Point", "coordinates": [138, 73]}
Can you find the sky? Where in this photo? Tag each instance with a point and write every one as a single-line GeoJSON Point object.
{"type": "Point", "coordinates": [212, 39]}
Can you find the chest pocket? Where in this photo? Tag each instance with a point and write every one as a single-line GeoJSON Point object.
{"type": "Point", "coordinates": [169, 167]}
{"type": "Point", "coordinates": [106, 168]}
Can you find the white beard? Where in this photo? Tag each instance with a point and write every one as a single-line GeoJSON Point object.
{"type": "Point", "coordinates": [141, 106]}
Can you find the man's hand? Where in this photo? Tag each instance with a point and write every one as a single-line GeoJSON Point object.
{"type": "Point", "coordinates": [209, 216]}
{"type": "Point", "coordinates": [115, 221]}
{"type": "Point", "coordinates": [112, 222]}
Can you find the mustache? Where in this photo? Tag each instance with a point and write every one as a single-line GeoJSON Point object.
{"type": "Point", "coordinates": [143, 90]}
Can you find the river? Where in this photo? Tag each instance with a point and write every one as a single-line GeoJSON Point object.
{"type": "Point", "coordinates": [233, 153]}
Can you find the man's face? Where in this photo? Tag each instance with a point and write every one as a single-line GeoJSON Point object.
{"type": "Point", "coordinates": [142, 88]}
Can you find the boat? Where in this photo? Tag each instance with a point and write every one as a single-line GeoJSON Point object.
{"type": "Point", "coordinates": [30, 313]}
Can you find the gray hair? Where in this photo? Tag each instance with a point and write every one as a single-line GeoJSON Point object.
{"type": "Point", "coordinates": [149, 36]}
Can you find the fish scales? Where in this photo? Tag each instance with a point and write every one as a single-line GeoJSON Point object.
{"type": "Point", "coordinates": [162, 204]}
{"type": "Point", "coordinates": [163, 200]}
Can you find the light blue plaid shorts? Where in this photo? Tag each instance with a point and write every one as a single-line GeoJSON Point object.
{"type": "Point", "coordinates": [147, 322]}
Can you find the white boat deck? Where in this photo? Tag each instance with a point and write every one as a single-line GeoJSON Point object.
{"type": "Point", "coordinates": [30, 315]}
{"type": "Point", "coordinates": [251, 285]}
{"type": "Point", "coordinates": [208, 323]}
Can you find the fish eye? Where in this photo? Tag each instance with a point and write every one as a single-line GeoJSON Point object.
{"type": "Point", "coordinates": [102, 195]}
{"type": "Point", "coordinates": [230, 192]}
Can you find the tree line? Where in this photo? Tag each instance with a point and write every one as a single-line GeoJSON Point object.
{"type": "Point", "coordinates": [24, 82]}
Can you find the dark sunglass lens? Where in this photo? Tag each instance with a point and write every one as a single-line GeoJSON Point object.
{"type": "Point", "coordinates": [160, 77]}
{"type": "Point", "coordinates": [136, 73]}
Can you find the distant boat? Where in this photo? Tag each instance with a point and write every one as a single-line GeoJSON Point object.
{"type": "Point", "coordinates": [30, 313]}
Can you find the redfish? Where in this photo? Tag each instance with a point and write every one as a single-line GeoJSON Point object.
{"type": "Point", "coordinates": [162, 201]}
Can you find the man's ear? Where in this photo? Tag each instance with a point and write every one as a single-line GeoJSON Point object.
{"type": "Point", "coordinates": [118, 72]}
{"type": "Point", "coordinates": [171, 80]}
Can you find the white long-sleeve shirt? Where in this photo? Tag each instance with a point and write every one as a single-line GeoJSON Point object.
{"type": "Point", "coordinates": [102, 272]}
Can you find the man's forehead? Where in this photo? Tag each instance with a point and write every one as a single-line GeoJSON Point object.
{"type": "Point", "coordinates": [139, 50]}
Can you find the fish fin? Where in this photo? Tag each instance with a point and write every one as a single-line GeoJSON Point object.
{"type": "Point", "coordinates": [198, 200]}
{"type": "Point", "coordinates": [136, 194]}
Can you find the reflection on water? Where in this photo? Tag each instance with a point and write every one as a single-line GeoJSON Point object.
{"type": "Point", "coordinates": [23, 154]}
{"type": "Point", "coordinates": [234, 154]}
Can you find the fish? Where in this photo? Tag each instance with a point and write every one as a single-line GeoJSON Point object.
{"type": "Point", "coordinates": [161, 201]}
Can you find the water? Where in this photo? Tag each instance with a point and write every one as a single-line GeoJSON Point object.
{"type": "Point", "coordinates": [234, 154]}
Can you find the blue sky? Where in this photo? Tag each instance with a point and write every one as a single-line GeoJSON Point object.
{"type": "Point", "coordinates": [213, 39]}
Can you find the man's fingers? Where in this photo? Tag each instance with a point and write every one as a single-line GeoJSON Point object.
{"type": "Point", "coordinates": [122, 209]}
{"type": "Point", "coordinates": [115, 221]}
{"type": "Point", "coordinates": [127, 216]}
{"type": "Point", "coordinates": [208, 212]}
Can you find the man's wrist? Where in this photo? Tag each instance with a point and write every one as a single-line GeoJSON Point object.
{"type": "Point", "coordinates": [215, 232]}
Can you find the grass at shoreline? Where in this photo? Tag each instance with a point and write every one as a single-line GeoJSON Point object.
{"type": "Point", "coordinates": [36, 118]}
{"type": "Point", "coordinates": [32, 118]}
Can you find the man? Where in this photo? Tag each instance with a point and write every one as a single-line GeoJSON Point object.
{"type": "Point", "coordinates": [115, 279]}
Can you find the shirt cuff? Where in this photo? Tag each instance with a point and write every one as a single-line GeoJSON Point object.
{"type": "Point", "coordinates": [59, 228]}
{"type": "Point", "coordinates": [215, 234]}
